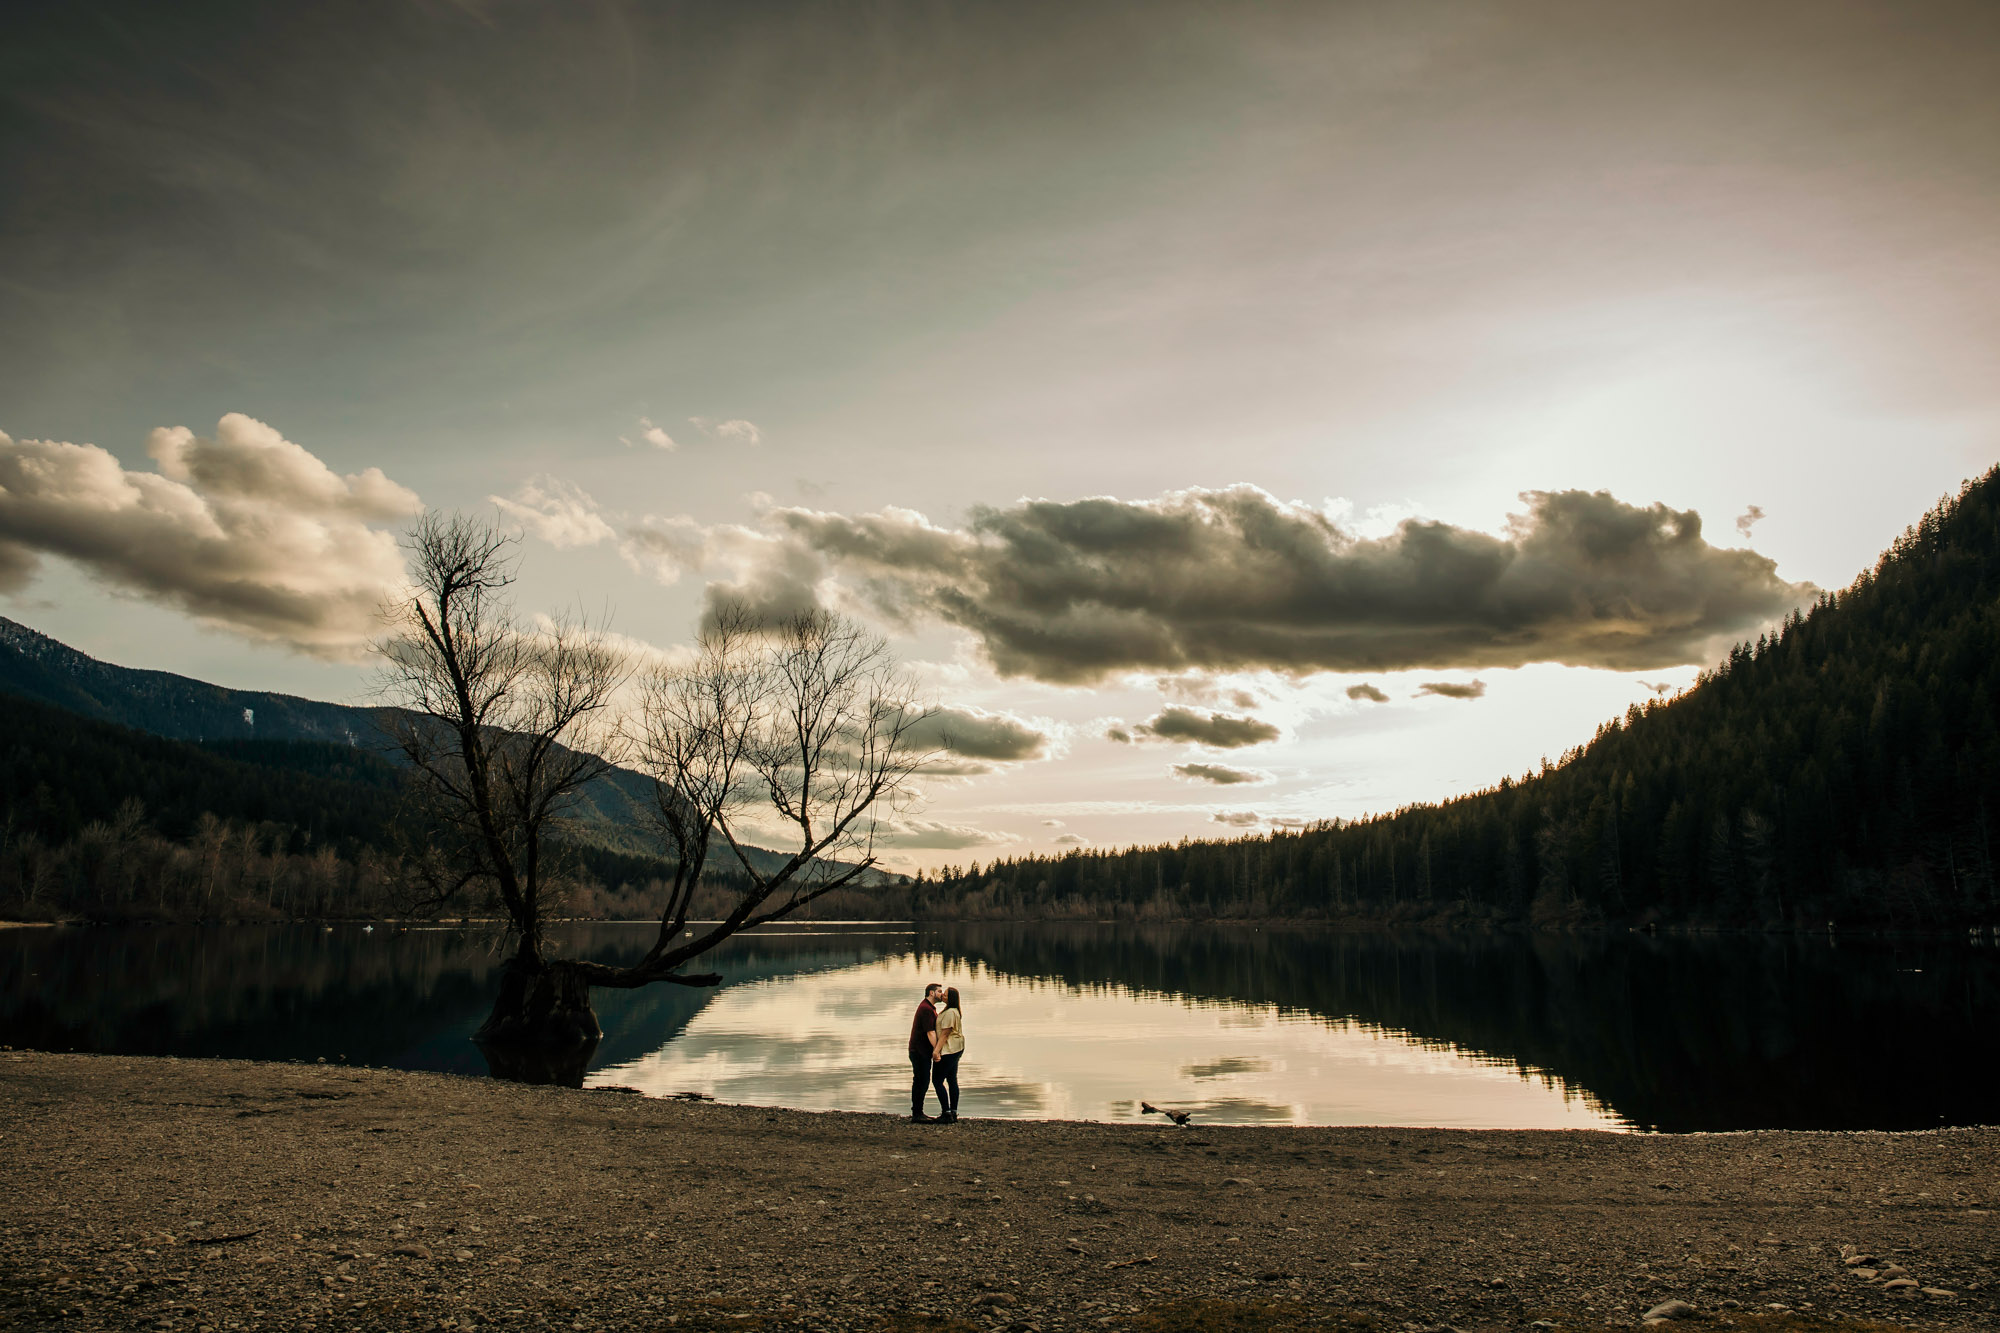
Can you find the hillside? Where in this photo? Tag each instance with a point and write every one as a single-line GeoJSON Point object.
{"type": "Point", "coordinates": [283, 731]}
{"type": "Point", "coordinates": [60, 773]}
{"type": "Point", "coordinates": [130, 793]}
{"type": "Point", "coordinates": [1844, 769]}
{"type": "Point", "coordinates": [103, 821]}
{"type": "Point", "coordinates": [34, 666]}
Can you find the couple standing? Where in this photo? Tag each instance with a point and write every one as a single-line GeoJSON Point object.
{"type": "Point", "coordinates": [937, 1039]}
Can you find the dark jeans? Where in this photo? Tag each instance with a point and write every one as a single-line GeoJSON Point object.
{"type": "Point", "coordinates": [945, 1075]}
{"type": "Point", "coordinates": [920, 1081]}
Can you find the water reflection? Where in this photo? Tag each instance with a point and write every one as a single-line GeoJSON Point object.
{"type": "Point", "coordinates": [1040, 1047]}
{"type": "Point", "coordinates": [1238, 1024]}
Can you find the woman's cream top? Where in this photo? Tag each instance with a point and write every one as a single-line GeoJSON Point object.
{"type": "Point", "coordinates": [951, 1032]}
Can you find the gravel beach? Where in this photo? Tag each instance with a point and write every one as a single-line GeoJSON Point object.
{"type": "Point", "coordinates": [193, 1194]}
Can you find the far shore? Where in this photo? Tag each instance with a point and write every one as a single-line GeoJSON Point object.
{"type": "Point", "coordinates": [1434, 925]}
{"type": "Point", "coordinates": [189, 1194]}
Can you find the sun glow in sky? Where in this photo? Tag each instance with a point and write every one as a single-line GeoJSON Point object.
{"type": "Point", "coordinates": [1251, 414]}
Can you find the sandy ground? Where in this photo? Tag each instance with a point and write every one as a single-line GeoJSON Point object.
{"type": "Point", "coordinates": [183, 1194]}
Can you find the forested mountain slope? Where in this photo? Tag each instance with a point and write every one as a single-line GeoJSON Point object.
{"type": "Point", "coordinates": [141, 793]}
{"type": "Point", "coordinates": [613, 813]}
{"type": "Point", "coordinates": [34, 666]}
{"type": "Point", "coordinates": [1845, 768]}
{"type": "Point", "coordinates": [105, 821]}
{"type": "Point", "coordinates": [60, 773]}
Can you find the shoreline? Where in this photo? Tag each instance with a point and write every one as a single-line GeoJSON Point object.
{"type": "Point", "coordinates": [210, 1193]}
{"type": "Point", "coordinates": [1974, 937]}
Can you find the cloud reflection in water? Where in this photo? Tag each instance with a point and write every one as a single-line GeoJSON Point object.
{"type": "Point", "coordinates": [835, 1040]}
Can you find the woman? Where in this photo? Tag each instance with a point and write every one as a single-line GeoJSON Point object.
{"type": "Point", "coordinates": [944, 1065]}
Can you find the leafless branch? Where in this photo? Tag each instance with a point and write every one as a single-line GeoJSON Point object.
{"type": "Point", "coordinates": [502, 724]}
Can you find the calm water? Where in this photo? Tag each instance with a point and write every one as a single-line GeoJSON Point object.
{"type": "Point", "coordinates": [1236, 1024]}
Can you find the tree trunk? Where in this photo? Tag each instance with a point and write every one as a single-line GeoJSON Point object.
{"type": "Point", "coordinates": [543, 1006]}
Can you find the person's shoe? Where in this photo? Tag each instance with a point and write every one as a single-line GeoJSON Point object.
{"type": "Point", "coordinates": [948, 1118]}
{"type": "Point", "coordinates": [921, 1119]}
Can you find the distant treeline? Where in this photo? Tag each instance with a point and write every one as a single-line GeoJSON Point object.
{"type": "Point", "coordinates": [1845, 768]}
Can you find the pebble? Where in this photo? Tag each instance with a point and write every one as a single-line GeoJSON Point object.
{"type": "Point", "coordinates": [1900, 1284]}
{"type": "Point", "coordinates": [1671, 1310]}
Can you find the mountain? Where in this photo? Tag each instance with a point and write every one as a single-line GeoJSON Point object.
{"type": "Point", "coordinates": [59, 773]}
{"type": "Point", "coordinates": [1843, 770]}
{"type": "Point", "coordinates": [35, 666]}
{"type": "Point", "coordinates": [280, 733]}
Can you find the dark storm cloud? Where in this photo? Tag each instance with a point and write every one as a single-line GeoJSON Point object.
{"type": "Point", "coordinates": [1368, 692]}
{"type": "Point", "coordinates": [1220, 774]}
{"type": "Point", "coordinates": [1221, 731]}
{"type": "Point", "coordinates": [1445, 689]}
{"type": "Point", "coordinates": [1235, 579]}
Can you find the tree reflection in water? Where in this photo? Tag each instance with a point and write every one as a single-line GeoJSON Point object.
{"type": "Point", "coordinates": [1670, 1033]}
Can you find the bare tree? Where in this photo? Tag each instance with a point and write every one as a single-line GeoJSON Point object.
{"type": "Point", "coordinates": [800, 732]}
{"type": "Point", "coordinates": [503, 726]}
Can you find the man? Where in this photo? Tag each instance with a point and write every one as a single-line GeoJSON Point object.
{"type": "Point", "coordinates": [923, 1050]}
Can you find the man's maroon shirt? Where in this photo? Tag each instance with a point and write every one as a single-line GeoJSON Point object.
{"type": "Point", "coordinates": [920, 1031]}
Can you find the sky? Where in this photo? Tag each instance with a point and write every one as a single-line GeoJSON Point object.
{"type": "Point", "coordinates": [1236, 415]}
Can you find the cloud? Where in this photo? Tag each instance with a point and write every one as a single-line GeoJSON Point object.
{"type": "Point", "coordinates": [1221, 731]}
{"type": "Point", "coordinates": [1072, 840]}
{"type": "Point", "coordinates": [1445, 689]}
{"type": "Point", "coordinates": [1119, 732]}
{"type": "Point", "coordinates": [1219, 774]}
{"type": "Point", "coordinates": [754, 570]}
{"type": "Point", "coordinates": [1237, 818]}
{"type": "Point", "coordinates": [1748, 520]}
{"type": "Point", "coordinates": [559, 512]}
{"type": "Point", "coordinates": [1368, 692]}
{"type": "Point", "coordinates": [246, 530]}
{"type": "Point", "coordinates": [977, 739]}
{"type": "Point", "coordinates": [1052, 823]}
{"type": "Point", "coordinates": [1199, 690]}
{"type": "Point", "coordinates": [652, 435]}
{"type": "Point", "coordinates": [929, 834]}
{"type": "Point", "coordinates": [1220, 580]}
{"type": "Point", "coordinates": [1658, 686]}
{"type": "Point", "coordinates": [735, 430]}
{"type": "Point", "coordinates": [757, 572]}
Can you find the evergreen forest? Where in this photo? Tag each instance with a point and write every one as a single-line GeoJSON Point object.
{"type": "Point", "coordinates": [1843, 771]}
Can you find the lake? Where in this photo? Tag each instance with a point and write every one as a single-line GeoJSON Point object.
{"type": "Point", "coordinates": [1238, 1025]}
